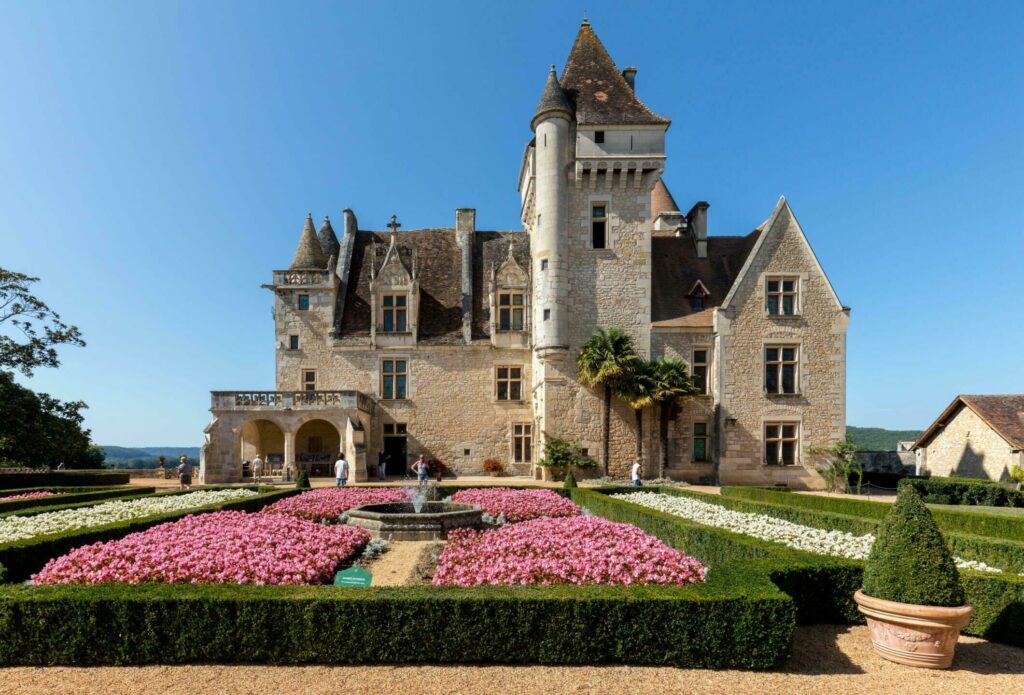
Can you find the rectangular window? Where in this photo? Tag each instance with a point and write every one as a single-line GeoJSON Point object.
{"type": "Point", "coordinates": [509, 383]}
{"type": "Point", "coordinates": [780, 369]}
{"type": "Point", "coordinates": [303, 302]}
{"type": "Point", "coordinates": [700, 441]}
{"type": "Point", "coordinates": [599, 226]}
{"type": "Point", "coordinates": [309, 379]}
{"type": "Point", "coordinates": [697, 301]}
{"type": "Point", "coordinates": [543, 264]}
{"type": "Point", "coordinates": [394, 379]}
{"type": "Point", "coordinates": [700, 370]}
{"type": "Point", "coordinates": [547, 314]}
{"type": "Point", "coordinates": [510, 311]}
{"type": "Point", "coordinates": [780, 443]}
{"type": "Point", "coordinates": [293, 342]}
{"type": "Point", "coordinates": [781, 296]}
{"type": "Point", "coordinates": [395, 428]}
{"type": "Point", "coordinates": [599, 136]}
{"type": "Point", "coordinates": [394, 313]}
{"type": "Point", "coordinates": [522, 443]}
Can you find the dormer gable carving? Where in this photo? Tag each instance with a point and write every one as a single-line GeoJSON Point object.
{"type": "Point", "coordinates": [509, 300]}
{"type": "Point", "coordinates": [394, 292]}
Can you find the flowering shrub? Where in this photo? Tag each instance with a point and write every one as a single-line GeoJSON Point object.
{"type": "Point", "coordinates": [27, 496]}
{"type": "Point", "coordinates": [518, 505]}
{"type": "Point", "coordinates": [575, 550]}
{"type": "Point", "coordinates": [768, 528]}
{"type": "Point", "coordinates": [217, 548]}
{"type": "Point", "coordinates": [328, 504]}
{"type": "Point", "coordinates": [15, 528]}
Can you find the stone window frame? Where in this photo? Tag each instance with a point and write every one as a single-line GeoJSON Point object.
{"type": "Point", "coordinates": [706, 364]}
{"type": "Point", "coordinates": [512, 307]}
{"type": "Point", "coordinates": [798, 375]}
{"type": "Point", "coordinates": [298, 301]}
{"type": "Point", "coordinates": [509, 380]}
{"type": "Point", "coordinates": [782, 421]}
{"type": "Point", "coordinates": [526, 435]}
{"type": "Point", "coordinates": [305, 381]}
{"type": "Point", "coordinates": [799, 279]}
{"type": "Point", "coordinates": [705, 436]}
{"type": "Point", "coordinates": [595, 200]}
{"type": "Point", "coordinates": [395, 310]}
{"type": "Point", "coordinates": [407, 373]}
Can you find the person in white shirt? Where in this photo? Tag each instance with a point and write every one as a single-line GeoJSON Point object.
{"type": "Point", "coordinates": [635, 474]}
{"type": "Point", "coordinates": [257, 469]}
{"type": "Point", "coordinates": [341, 471]}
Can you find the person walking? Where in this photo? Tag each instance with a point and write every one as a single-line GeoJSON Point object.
{"type": "Point", "coordinates": [421, 469]}
{"type": "Point", "coordinates": [635, 473]}
{"type": "Point", "coordinates": [184, 473]}
{"type": "Point", "coordinates": [257, 469]}
{"type": "Point", "coordinates": [382, 465]}
{"type": "Point", "coordinates": [341, 470]}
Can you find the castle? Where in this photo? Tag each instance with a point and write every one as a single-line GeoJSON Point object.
{"type": "Point", "coordinates": [461, 344]}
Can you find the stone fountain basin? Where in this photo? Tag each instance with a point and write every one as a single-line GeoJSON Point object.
{"type": "Point", "coordinates": [399, 521]}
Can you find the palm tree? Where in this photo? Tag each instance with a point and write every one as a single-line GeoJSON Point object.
{"type": "Point", "coordinates": [670, 386]}
{"type": "Point", "coordinates": [605, 360]}
{"type": "Point", "coordinates": [637, 389]}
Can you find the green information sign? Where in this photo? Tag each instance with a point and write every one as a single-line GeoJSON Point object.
{"type": "Point", "coordinates": [353, 576]}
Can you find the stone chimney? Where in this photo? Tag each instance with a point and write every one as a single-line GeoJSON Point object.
{"type": "Point", "coordinates": [465, 227]}
{"type": "Point", "coordinates": [351, 225]}
{"type": "Point", "coordinates": [630, 75]}
{"type": "Point", "coordinates": [697, 220]}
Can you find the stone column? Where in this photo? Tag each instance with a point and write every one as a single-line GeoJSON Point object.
{"type": "Point", "coordinates": [289, 451]}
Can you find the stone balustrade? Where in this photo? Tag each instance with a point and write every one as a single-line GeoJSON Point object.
{"type": "Point", "coordinates": [282, 400]}
{"type": "Point", "coordinates": [302, 278]}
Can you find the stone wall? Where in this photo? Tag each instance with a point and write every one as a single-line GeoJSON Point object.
{"type": "Point", "coordinates": [969, 448]}
{"type": "Point", "coordinates": [745, 328]}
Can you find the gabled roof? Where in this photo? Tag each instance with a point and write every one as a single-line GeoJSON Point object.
{"type": "Point", "coordinates": [309, 254]}
{"type": "Point", "coordinates": [661, 199]}
{"type": "Point", "coordinates": [597, 88]}
{"type": "Point", "coordinates": [1004, 414]}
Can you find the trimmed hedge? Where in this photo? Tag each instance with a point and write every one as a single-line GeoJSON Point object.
{"type": "Point", "coordinates": [63, 499]}
{"type": "Point", "coordinates": [62, 478]}
{"type": "Point", "coordinates": [821, 586]}
{"type": "Point", "coordinates": [950, 521]}
{"type": "Point", "coordinates": [964, 491]}
{"type": "Point", "coordinates": [21, 559]}
{"type": "Point", "coordinates": [739, 620]}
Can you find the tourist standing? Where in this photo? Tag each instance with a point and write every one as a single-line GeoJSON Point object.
{"type": "Point", "coordinates": [421, 469]}
{"type": "Point", "coordinates": [635, 474]}
{"type": "Point", "coordinates": [184, 473]}
{"type": "Point", "coordinates": [341, 471]}
{"type": "Point", "coordinates": [257, 469]}
{"type": "Point", "coordinates": [382, 465]}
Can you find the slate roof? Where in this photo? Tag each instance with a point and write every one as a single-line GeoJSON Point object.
{"type": "Point", "coordinates": [552, 99]}
{"type": "Point", "coordinates": [309, 254]}
{"type": "Point", "coordinates": [597, 89]}
{"type": "Point", "coordinates": [328, 239]}
{"type": "Point", "coordinates": [675, 269]}
{"type": "Point", "coordinates": [1004, 414]}
{"type": "Point", "coordinates": [438, 262]}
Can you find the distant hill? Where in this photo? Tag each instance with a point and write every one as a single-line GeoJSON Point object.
{"type": "Point", "coordinates": [146, 457]}
{"type": "Point", "coordinates": [878, 439]}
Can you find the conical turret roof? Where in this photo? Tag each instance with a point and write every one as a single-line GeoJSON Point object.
{"type": "Point", "coordinates": [328, 240]}
{"type": "Point", "coordinates": [552, 99]}
{"type": "Point", "coordinates": [661, 199]}
{"type": "Point", "coordinates": [308, 254]}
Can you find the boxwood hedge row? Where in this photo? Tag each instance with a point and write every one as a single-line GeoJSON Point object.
{"type": "Point", "coordinates": [822, 587]}
{"type": "Point", "coordinates": [965, 491]}
{"type": "Point", "coordinates": [10, 481]}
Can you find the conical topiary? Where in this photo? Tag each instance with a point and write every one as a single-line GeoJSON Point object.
{"type": "Point", "coordinates": [570, 480]}
{"type": "Point", "coordinates": [302, 482]}
{"type": "Point", "coordinates": [910, 561]}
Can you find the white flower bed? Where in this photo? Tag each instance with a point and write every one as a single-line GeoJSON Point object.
{"type": "Point", "coordinates": [768, 528]}
{"type": "Point", "coordinates": [16, 528]}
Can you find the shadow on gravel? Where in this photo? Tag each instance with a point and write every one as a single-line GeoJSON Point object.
{"type": "Point", "coordinates": [816, 652]}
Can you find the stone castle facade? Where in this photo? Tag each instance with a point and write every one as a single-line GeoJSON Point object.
{"type": "Point", "coordinates": [461, 344]}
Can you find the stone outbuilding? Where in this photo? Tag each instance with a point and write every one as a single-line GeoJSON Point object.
{"type": "Point", "coordinates": [974, 437]}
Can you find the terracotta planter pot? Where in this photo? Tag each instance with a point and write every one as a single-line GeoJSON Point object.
{"type": "Point", "coordinates": [495, 474]}
{"type": "Point", "coordinates": [923, 636]}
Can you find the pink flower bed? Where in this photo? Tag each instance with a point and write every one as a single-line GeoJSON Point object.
{"type": "Point", "coordinates": [27, 496]}
{"type": "Point", "coordinates": [575, 550]}
{"type": "Point", "coordinates": [217, 548]}
{"type": "Point", "coordinates": [518, 505]}
{"type": "Point", "coordinates": [327, 504]}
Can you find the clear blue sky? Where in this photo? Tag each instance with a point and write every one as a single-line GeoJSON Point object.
{"type": "Point", "coordinates": [158, 160]}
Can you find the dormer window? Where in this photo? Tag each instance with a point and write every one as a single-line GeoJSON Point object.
{"type": "Point", "coordinates": [395, 313]}
{"type": "Point", "coordinates": [510, 311]}
{"type": "Point", "coordinates": [697, 294]}
{"type": "Point", "coordinates": [599, 136]}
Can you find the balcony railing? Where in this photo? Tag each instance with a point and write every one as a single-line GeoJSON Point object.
{"type": "Point", "coordinates": [280, 400]}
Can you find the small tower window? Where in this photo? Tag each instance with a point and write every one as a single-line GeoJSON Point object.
{"type": "Point", "coordinates": [293, 342]}
{"type": "Point", "coordinates": [543, 264]}
{"type": "Point", "coordinates": [599, 136]}
{"type": "Point", "coordinates": [547, 314]}
{"type": "Point", "coordinates": [599, 226]}
{"type": "Point", "coordinates": [309, 380]}
{"type": "Point", "coordinates": [303, 302]}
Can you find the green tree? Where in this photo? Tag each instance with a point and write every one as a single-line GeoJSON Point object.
{"type": "Point", "coordinates": [670, 385]}
{"type": "Point", "coordinates": [604, 361]}
{"type": "Point", "coordinates": [636, 387]}
{"type": "Point", "coordinates": [29, 330]}
{"type": "Point", "coordinates": [842, 464]}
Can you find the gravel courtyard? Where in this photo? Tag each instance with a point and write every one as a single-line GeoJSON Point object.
{"type": "Point", "coordinates": [829, 659]}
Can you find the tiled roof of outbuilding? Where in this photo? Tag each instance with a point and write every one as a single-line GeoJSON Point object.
{"type": "Point", "coordinates": [1004, 414]}
{"type": "Point", "coordinates": [309, 254]}
{"type": "Point", "coordinates": [598, 90]}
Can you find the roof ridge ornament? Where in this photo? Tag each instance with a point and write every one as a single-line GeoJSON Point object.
{"type": "Point", "coordinates": [394, 224]}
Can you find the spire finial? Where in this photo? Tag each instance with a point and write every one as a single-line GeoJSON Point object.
{"type": "Point", "coordinates": [394, 224]}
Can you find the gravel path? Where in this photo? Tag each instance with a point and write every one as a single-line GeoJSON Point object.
{"type": "Point", "coordinates": [397, 565]}
{"type": "Point", "coordinates": [828, 659]}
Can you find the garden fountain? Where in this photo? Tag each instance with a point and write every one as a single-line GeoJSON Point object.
{"type": "Point", "coordinates": [422, 518]}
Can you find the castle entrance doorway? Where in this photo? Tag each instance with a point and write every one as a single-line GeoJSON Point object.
{"type": "Point", "coordinates": [395, 446]}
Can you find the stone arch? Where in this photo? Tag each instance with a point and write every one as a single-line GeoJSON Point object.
{"type": "Point", "coordinates": [317, 444]}
{"type": "Point", "coordinates": [263, 437]}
